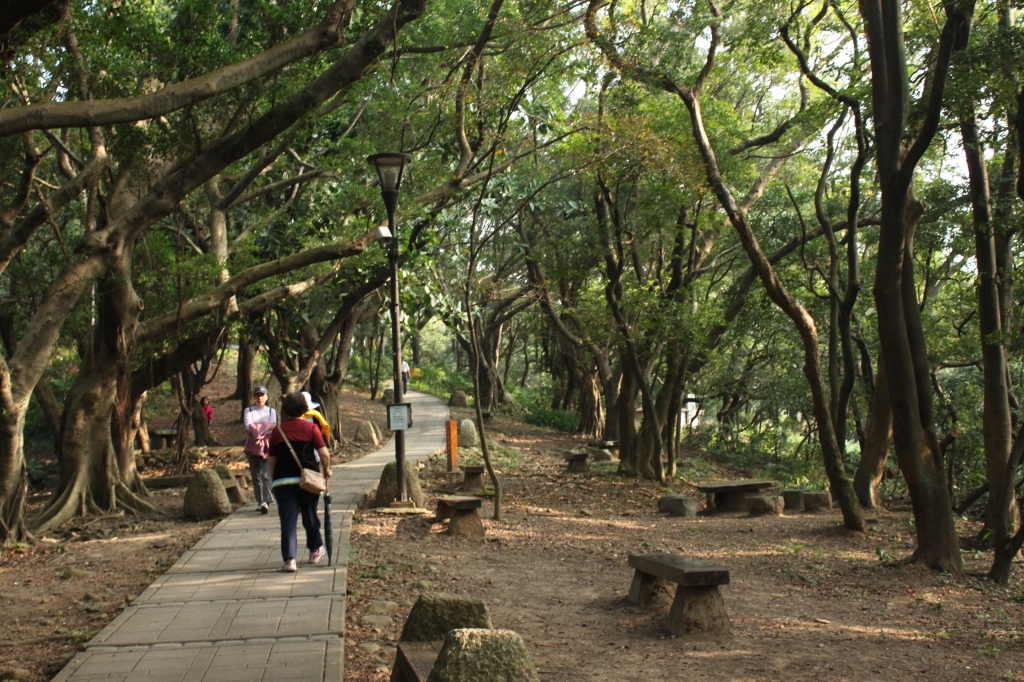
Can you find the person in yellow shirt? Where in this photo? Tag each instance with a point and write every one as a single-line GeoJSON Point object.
{"type": "Point", "coordinates": [312, 415]}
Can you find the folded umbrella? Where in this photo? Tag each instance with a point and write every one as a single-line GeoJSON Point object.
{"type": "Point", "coordinates": [328, 529]}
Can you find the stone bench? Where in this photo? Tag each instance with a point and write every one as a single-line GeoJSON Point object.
{"type": "Point", "coordinates": [732, 495]}
{"type": "Point", "coordinates": [473, 478]}
{"type": "Point", "coordinates": [698, 607]}
{"type": "Point", "coordinates": [462, 512]}
{"type": "Point", "coordinates": [415, 660]}
{"type": "Point", "coordinates": [165, 437]}
{"type": "Point", "coordinates": [577, 462]}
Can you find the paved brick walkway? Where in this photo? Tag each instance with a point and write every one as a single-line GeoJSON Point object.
{"type": "Point", "coordinates": [222, 612]}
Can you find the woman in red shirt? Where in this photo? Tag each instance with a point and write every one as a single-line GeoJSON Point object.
{"type": "Point", "coordinates": [293, 501]}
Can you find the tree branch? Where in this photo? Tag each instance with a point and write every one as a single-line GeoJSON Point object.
{"type": "Point", "coordinates": [179, 95]}
{"type": "Point", "coordinates": [204, 305]}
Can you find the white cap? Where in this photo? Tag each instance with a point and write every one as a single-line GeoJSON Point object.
{"type": "Point", "coordinates": [310, 405]}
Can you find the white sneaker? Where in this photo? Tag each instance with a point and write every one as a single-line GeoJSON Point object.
{"type": "Point", "coordinates": [264, 508]}
{"type": "Point", "coordinates": [316, 555]}
{"type": "Point", "coordinates": [290, 566]}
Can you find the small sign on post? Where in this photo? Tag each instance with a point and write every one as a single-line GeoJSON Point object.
{"type": "Point", "coordinates": [451, 432]}
{"type": "Point", "coordinates": [399, 416]}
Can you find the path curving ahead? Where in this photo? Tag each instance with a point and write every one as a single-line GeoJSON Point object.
{"type": "Point", "coordinates": [222, 612]}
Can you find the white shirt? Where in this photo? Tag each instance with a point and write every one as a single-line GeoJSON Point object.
{"type": "Point", "coordinates": [255, 414]}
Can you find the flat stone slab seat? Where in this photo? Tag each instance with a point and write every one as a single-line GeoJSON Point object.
{"type": "Point", "coordinates": [577, 462]}
{"type": "Point", "coordinates": [698, 607]}
{"type": "Point", "coordinates": [462, 510]}
{"type": "Point", "coordinates": [473, 479]}
{"type": "Point", "coordinates": [732, 495]}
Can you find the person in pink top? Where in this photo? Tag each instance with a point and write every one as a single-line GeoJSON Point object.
{"type": "Point", "coordinates": [259, 420]}
{"type": "Point", "coordinates": [204, 402]}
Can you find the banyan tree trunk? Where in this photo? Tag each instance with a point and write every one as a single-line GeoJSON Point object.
{"type": "Point", "coordinates": [93, 467]}
{"type": "Point", "coordinates": [89, 473]}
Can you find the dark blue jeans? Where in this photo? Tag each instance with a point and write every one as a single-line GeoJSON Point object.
{"type": "Point", "coordinates": [291, 502]}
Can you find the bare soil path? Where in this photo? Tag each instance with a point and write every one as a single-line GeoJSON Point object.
{"type": "Point", "coordinates": [808, 600]}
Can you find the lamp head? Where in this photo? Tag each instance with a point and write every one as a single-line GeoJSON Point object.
{"type": "Point", "coordinates": [390, 167]}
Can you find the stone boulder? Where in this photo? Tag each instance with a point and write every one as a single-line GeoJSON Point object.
{"type": "Point", "coordinates": [366, 433]}
{"type": "Point", "coordinates": [435, 613]}
{"type": "Point", "coordinates": [817, 499]}
{"type": "Point", "coordinates": [468, 436]}
{"type": "Point", "coordinates": [759, 505]}
{"type": "Point", "coordinates": [600, 455]}
{"type": "Point", "coordinates": [475, 655]}
{"type": "Point", "coordinates": [206, 497]}
{"type": "Point", "coordinates": [458, 399]}
{"type": "Point", "coordinates": [389, 396]}
{"type": "Point", "coordinates": [678, 505]}
{"type": "Point", "coordinates": [794, 499]}
{"type": "Point", "coordinates": [387, 486]}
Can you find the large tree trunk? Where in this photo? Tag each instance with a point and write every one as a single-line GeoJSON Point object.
{"type": "Point", "coordinates": [875, 453]}
{"type": "Point", "coordinates": [592, 421]}
{"type": "Point", "coordinates": [13, 478]}
{"type": "Point", "coordinates": [97, 463]}
{"type": "Point", "coordinates": [627, 423]}
{"type": "Point", "coordinates": [906, 364]}
{"type": "Point", "coordinates": [610, 382]}
{"type": "Point", "coordinates": [85, 441]}
{"type": "Point", "coordinates": [245, 368]}
{"type": "Point", "coordinates": [490, 386]}
{"type": "Point", "coordinates": [997, 427]}
{"type": "Point", "coordinates": [201, 428]}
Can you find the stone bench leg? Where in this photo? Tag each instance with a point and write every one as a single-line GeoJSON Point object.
{"type": "Point", "coordinates": [473, 483]}
{"type": "Point", "coordinates": [698, 610]}
{"type": "Point", "coordinates": [466, 523]}
{"type": "Point", "coordinates": [443, 512]}
{"type": "Point", "coordinates": [733, 501]}
{"type": "Point", "coordinates": [648, 589]}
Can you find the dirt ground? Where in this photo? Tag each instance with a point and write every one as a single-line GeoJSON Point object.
{"type": "Point", "coordinates": [57, 594]}
{"type": "Point", "coordinates": [807, 599]}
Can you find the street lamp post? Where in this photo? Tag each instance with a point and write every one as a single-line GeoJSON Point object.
{"type": "Point", "coordinates": [390, 167]}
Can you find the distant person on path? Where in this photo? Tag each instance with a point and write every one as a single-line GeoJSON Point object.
{"type": "Point", "coordinates": [259, 421]}
{"type": "Point", "coordinates": [313, 415]}
{"type": "Point", "coordinates": [292, 501]}
{"type": "Point", "coordinates": [204, 402]}
{"type": "Point", "coordinates": [406, 373]}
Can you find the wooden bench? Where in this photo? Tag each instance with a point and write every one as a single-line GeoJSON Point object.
{"type": "Point", "coordinates": [473, 479]}
{"type": "Point", "coordinates": [697, 607]}
{"type": "Point", "coordinates": [577, 462]}
{"type": "Point", "coordinates": [415, 660]}
{"type": "Point", "coordinates": [462, 512]}
{"type": "Point", "coordinates": [732, 495]}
